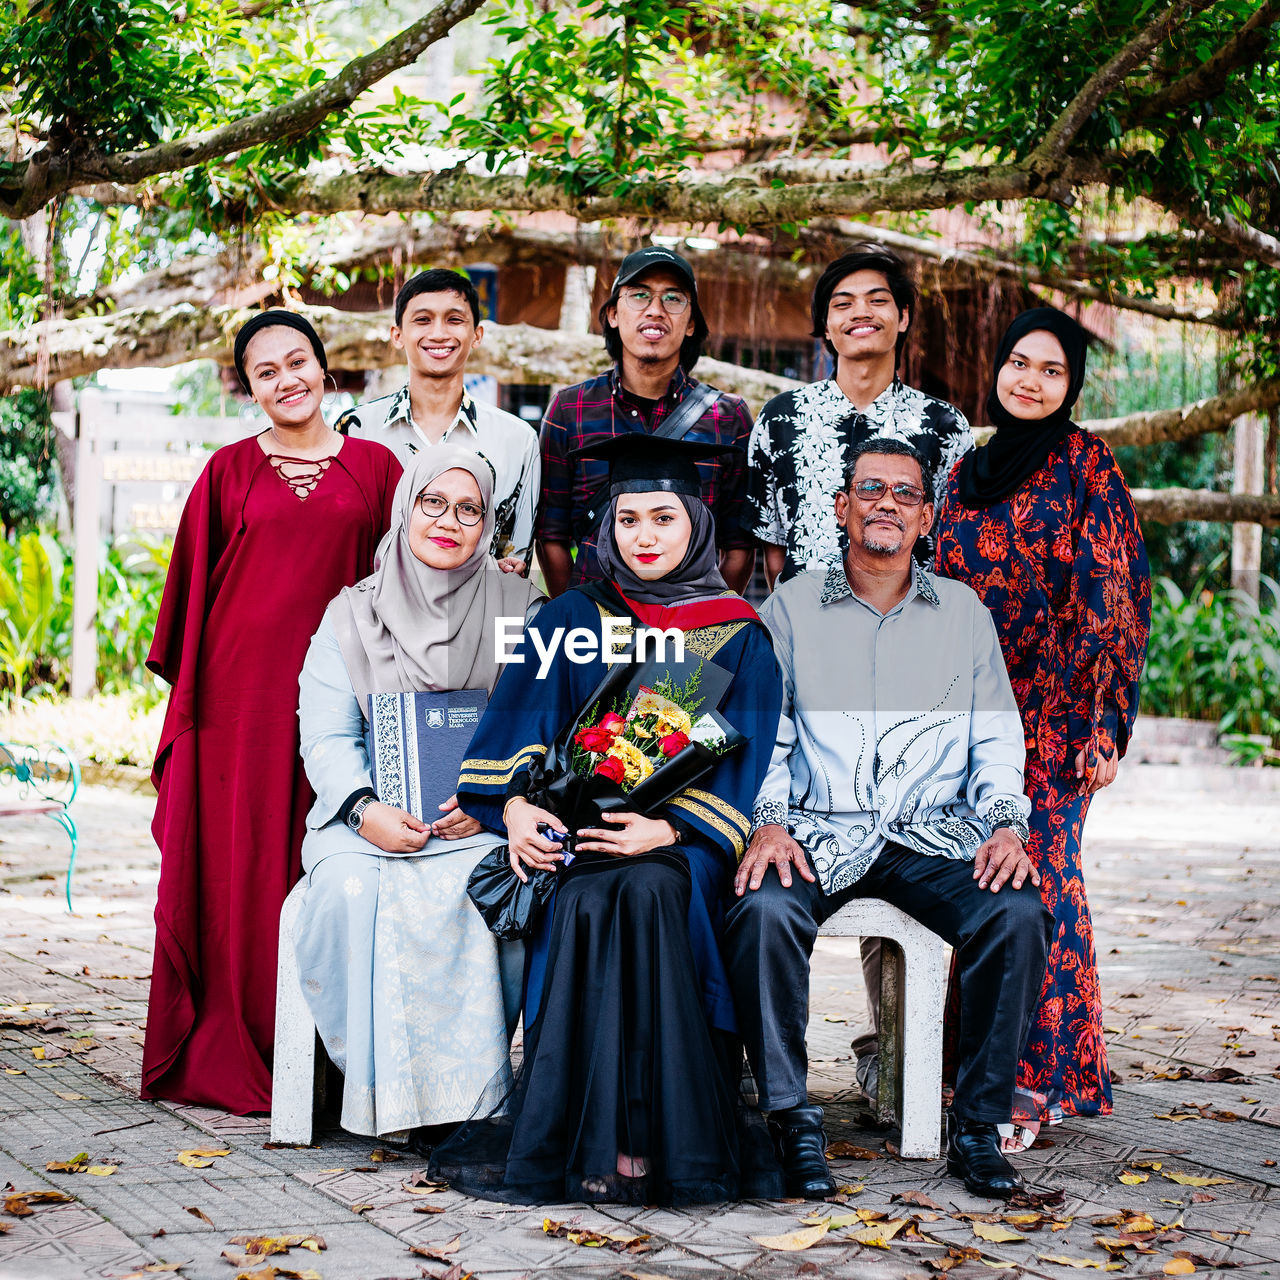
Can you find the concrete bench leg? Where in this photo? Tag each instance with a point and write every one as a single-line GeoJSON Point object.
{"type": "Point", "coordinates": [915, 986]}
{"type": "Point", "coordinates": [293, 1085]}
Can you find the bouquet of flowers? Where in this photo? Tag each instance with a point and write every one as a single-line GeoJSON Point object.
{"type": "Point", "coordinates": [661, 732]}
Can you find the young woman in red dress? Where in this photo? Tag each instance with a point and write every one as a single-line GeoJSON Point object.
{"type": "Point", "coordinates": [1039, 522]}
{"type": "Point", "coordinates": [275, 527]}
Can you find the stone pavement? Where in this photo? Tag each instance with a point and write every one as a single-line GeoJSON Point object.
{"type": "Point", "coordinates": [1184, 880]}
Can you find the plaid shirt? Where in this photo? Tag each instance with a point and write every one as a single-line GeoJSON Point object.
{"type": "Point", "coordinates": [599, 408]}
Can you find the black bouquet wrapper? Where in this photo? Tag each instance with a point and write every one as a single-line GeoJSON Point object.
{"type": "Point", "coordinates": [581, 801]}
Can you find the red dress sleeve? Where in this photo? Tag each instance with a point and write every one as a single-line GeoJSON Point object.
{"type": "Point", "coordinates": [175, 647]}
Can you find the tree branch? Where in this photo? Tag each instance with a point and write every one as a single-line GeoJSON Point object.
{"type": "Point", "coordinates": [1053, 147]}
{"type": "Point", "coordinates": [730, 197]}
{"type": "Point", "coordinates": [1252, 241]}
{"type": "Point", "coordinates": [160, 338]}
{"type": "Point", "coordinates": [1189, 421]}
{"type": "Point", "coordinates": [43, 176]}
{"type": "Point", "coordinates": [1211, 76]}
{"type": "Point", "coordinates": [1166, 506]}
{"type": "Point", "coordinates": [988, 265]}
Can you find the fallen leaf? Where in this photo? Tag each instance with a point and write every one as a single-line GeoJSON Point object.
{"type": "Point", "coordinates": [1080, 1263]}
{"type": "Point", "coordinates": [75, 1165]}
{"type": "Point", "coordinates": [1179, 1267]}
{"type": "Point", "coordinates": [198, 1213]}
{"type": "Point", "coordinates": [263, 1246]}
{"type": "Point", "coordinates": [1190, 1180]}
{"type": "Point", "coordinates": [844, 1150]}
{"type": "Point", "coordinates": [832, 1224]}
{"type": "Point", "coordinates": [164, 1266]}
{"type": "Point", "coordinates": [14, 1071]}
{"type": "Point", "coordinates": [1174, 1116]}
{"type": "Point", "coordinates": [996, 1264]}
{"type": "Point", "coordinates": [201, 1157]}
{"type": "Point", "coordinates": [380, 1155]}
{"type": "Point", "coordinates": [1198, 1197]}
{"type": "Point", "coordinates": [1036, 1199]}
{"type": "Point", "coordinates": [879, 1235]}
{"type": "Point", "coordinates": [71, 1097]}
{"type": "Point", "coordinates": [917, 1198]}
{"type": "Point", "coordinates": [1131, 1179]}
{"type": "Point", "coordinates": [18, 1203]}
{"type": "Point", "coordinates": [794, 1241]}
{"type": "Point", "coordinates": [437, 1252]}
{"type": "Point", "coordinates": [993, 1233]}
{"type": "Point", "coordinates": [429, 1208]}
{"type": "Point", "coordinates": [102, 1170]}
{"type": "Point", "coordinates": [270, 1272]}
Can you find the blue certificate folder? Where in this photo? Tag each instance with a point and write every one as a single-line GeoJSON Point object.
{"type": "Point", "coordinates": [417, 742]}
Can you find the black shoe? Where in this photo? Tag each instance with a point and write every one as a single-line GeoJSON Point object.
{"type": "Point", "coordinates": [802, 1146]}
{"type": "Point", "coordinates": [973, 1154]}
{"type": "Point", "coordinates": [426, 1138]}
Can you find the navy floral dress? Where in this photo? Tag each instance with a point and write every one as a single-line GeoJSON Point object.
{"type": "Point", "coordinates": [1061, 565]}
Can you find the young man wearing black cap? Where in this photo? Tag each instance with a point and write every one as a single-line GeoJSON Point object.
{"type": "Point", "coordinates": [863, 305]}
{"type": "Point", "coordinates": [654, 330]}
{"type": "Point", "coordinates": [437, 326]}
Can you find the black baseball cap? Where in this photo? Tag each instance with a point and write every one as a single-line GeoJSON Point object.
{"type": "Point", "coordinates": [646, 259]}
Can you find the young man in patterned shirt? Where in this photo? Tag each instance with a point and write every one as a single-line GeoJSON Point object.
{"type": "Point", "coordinates": [863, 306]}
{"type": "Point", "coordinates": [437, 326]}
{"type": "Point", "coordinates": [654, 330]}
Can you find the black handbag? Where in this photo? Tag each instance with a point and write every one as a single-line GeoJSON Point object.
{"type": "Point", "coordinates": [508, 905]}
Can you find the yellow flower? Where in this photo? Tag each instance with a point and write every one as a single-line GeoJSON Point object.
{"type": "Point", "coordinates": [633, 761]}
{"type": "Point", "coordinates": [672, 718]}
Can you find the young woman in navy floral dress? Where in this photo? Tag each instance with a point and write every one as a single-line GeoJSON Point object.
{"type": "Point", "coordinates": [1041, 525]}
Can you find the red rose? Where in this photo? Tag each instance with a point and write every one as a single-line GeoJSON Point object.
{"type": "Point", "coordinates": [594, 739]}
{"type": "Point", "coordinates": [612, 723]}
{"type": "Point", "coordinates": [612, 768]}
{"type": "Point", "coordinates": [673, 743]}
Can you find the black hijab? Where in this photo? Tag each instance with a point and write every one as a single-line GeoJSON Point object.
{"type": "Point", "coordinates": [1020, 448]}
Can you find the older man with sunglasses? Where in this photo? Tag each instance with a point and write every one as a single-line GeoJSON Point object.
{"type": "Point", "coordinates": [654, 330]}
{"type": "Point", "coordinates": [897, 774]}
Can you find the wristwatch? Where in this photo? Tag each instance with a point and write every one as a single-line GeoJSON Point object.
{"type": "Point", "coordinates": [356, 817]}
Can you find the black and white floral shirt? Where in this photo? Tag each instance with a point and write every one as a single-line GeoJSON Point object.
{"type": "Point", "coordinates": [799, 449]}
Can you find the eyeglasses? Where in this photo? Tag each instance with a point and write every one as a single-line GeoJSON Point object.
{"type": "Point", "coordinates": [672, 301]}
{"type": "Point", "coordinates": [906, 495]}
{"type": "Point", "coordinates": [466, 513]}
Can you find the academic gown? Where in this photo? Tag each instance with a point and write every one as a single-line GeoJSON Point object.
{"type": "Point", "coordinates": [627, 1001]}
{"type": "Point", "coordinates": [252, 571]}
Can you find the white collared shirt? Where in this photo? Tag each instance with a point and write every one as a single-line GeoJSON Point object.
{"type": "Point", "coordinates": [507, 443]}
{"type": "Point", "coordinates": [899, 726]}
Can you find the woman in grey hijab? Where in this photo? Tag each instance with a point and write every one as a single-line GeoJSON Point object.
{"type": "Point", "coordinates": [413, 997]}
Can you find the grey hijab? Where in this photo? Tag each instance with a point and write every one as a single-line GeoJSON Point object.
{"type": "Point", "coordinates": [697, 577]}
{"type": "Point", "coordinates": [411, 628]}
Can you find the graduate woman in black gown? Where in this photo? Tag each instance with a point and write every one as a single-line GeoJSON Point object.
{"type": "Point", "coordinates": [628, 1087]}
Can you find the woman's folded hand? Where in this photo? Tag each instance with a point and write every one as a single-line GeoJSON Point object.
{"type": "Point", "coordinates": [393, 830]}
{"type": "Point", "coordinates": [455, 825]}
{"type": "Point", "coordinates": [631, 834]}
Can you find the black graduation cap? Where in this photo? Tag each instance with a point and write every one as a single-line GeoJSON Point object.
{"type": "Point", "coordinates": [640, 463]}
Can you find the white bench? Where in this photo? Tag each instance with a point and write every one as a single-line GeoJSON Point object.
{"type": "Point", "coordinates": [297, 1079]}
{"type": "Point", "coordinates": [912, 994]}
